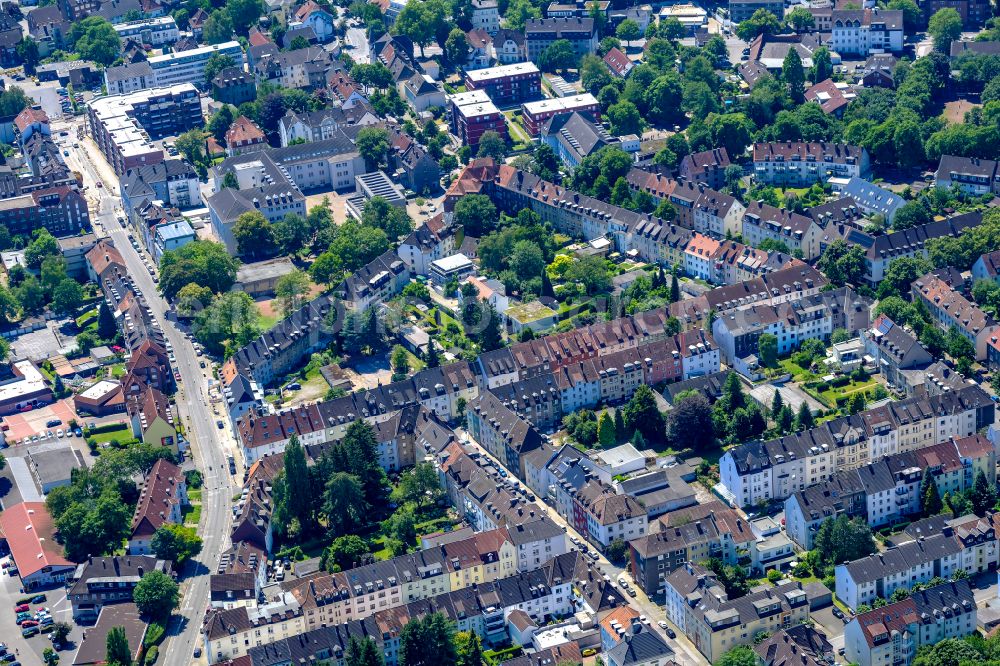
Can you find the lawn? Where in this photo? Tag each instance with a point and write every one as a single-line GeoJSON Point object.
{"type": "Point", "coordinates": [121, 433]}
{"type": "Point", "coordinates": [192, 515]}
{"type": "Point", "coordinates": [798, 373]}
{"type": "Point", "coordinates": [832, 395]}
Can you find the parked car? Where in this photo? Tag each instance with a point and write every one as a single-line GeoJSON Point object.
{"type": "Point", "coordinates": [29, 623]}
{"type": "Point", "coordinates": [29, 632]}
{"type": "Point", "coordinates": [663, 625]}
{"type": "Point", "coordinates": [671, 633]}
{"type": "Point", "coordinates": [39, 599]}
{"type": "Point", "coordinates": [23, 607]}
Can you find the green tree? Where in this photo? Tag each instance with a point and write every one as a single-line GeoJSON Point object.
{"type": "Point", "coordinates": [822, 65]}
{"type": "Point", "coordinates": [592, 273]}
{"type": "Point", "coordinates": [344, 506]}
{"type": "Point", "coordinates": [156, 595]}
{"type": "Point", "coordinates": [175, 543]}
{"type": "Point", "coordinates": [762, 22]}
{"type": "Point", "coordinates": [690, 423]}
{"type": "Point", "coordinates": [491, 144]}
{"type": "Point", "coordinates": [557, 57]}
{"type": "Point", "coordinates": [346, 552]}
{"type": "Point", "coordinates": [794, 76]}
{"type": "Point", "coordinates": [216, 63]}
{"type": "Point", "coordinates": [804, 417]}
{"type": "Point", "coordinates": [43, 246]}
{"type": "Point", "coordinates": [294, 501]}
{"type": "Point", "coordinates": [738, 656]}
{"type": "Point", "coordinates": [624, 118]}
{"type": "Point", "coordinates": [944, 27]}
{"type": "Point", "coordinates": [27, 51]}
{"type": "Point", "coordinates": [428, 641]}
{"type": "Point", "coordinates": [218, 27]}
{"type": "Point", "coordinates": [67, 297]}
{"type": "Point", "coordinates": [94, 38]}
{"type": "Point", "coordinates": [606, 435]}
{"type": "Point", "coordinates": [117, 651]}
{"type": "Point", "coordinates": [901, 274]}
{"type": "Point", "coordinates": [930, 499]}
{"type": "Point", "coordinates": [628, 31]}
{"type": "Point", "coordinates": [291, 291]}
{"type": "Point", "coordinates": [244, 13]}
{"type": "Point", "coordinates": [419, 21]}
{"type": "Point", "coordinates": [913, 16]}
{"type": "Point", "coordinates": [800, 19]}
{"type": "Point", "coordinates": [767, 350]}
{"type": "Point", "coordinates": [617, 551]}
{"type": "Point", "coordinates": [372, 144]}
{"type": "Point", "coordinates": [456, 48]}
{"type": "Point", "coordinates": [60, 632]}
{"type": "Point", "coordinates": [843, 539]}
{"type": "Point", "coordinates": [203, 263]}
{"type": "Point", "coordinates": [843, 263]}
{"type": "Point", "coordinates": [362, 651]}
{"type": "Point", "coordinates": [641, 414]}
{"type": "Point", "coordinates": [984, 494]}
{"type": "Point", "coordinates": [476, 214]}
{"type": "Point", "coordinates": [254, 235]}
{"type": "Point", "coordinates": [470, 649]}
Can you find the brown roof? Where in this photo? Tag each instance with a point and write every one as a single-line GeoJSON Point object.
{"type": "Point", "coordinates": [159, 493]}
{"type": "Point", "coordinates": [29, 116]}
{"type": "Point", "coordinates": [243, 131]}
{"type": "Point", "coordinates": [94, 650]}
{"type": "Point", "coordinates": [103, 255]}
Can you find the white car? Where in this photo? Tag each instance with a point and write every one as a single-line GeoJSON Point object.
{"type": "Point", "coordinates": [643, 619]}
{"type": "Point", "coordinates": [663, 625]}
{"type": "Point", "coordinates": [59, 433]}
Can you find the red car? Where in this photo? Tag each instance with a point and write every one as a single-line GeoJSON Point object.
{"type": "Point", "coordinates": [23, 608]}
{"type": "Point", "coordinates": [29, 623]}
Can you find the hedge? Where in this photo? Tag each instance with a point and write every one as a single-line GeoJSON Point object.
{"type": "Point", "coordinates": [151, 655]}
{"type": "Point", "coordinates": [154, 634]}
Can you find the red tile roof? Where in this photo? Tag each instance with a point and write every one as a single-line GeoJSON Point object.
{"type": "Point", "coordinates": [243, 132]}
{"type": "Point", "coordinates": [28, 116]}
{"type": "Point", "coordinates": [158, 495]}
{"type": "Point", "coordinates": [30, 535]}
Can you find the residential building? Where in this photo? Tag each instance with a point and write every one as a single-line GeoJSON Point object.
{"type": "Point", "coordinates": [153, 31]}
{"type": "Point", "coordinates": [797, 232]}
{"type": "Point", "coordinates": [893, 634]}
{"type": "Point", "coordinates": [578, 31]}
{"type": "Point", "coordinates": [189, 66]}
{"type": "Point", "coordinates": [894, 350]}
{"type": "Point", "coordinates": [535, 114]}
{"type": "Point", "coordinates": [862, 32]}
{"type": "Point", "coordinates": [243, 136]}
{"type": "Point", "coordinates": [507, 84]}
{"type": "Point", "coordinates": [161, 501]}
{"type": "Point", "coordinates": [122, 125]}
{"type": "Point", "coordinates": [697, 603]}
{"type": "Point", "coordinates": [800, 164]}
{"type": "Point", "coordinates": [574, 136]}
{"type": "Point", "coordinates": [486, 16]}
{"type": "Point", "coordinates": [950, 309]}
{"type": "Point", "coordinates": [971, 175]}
{"type": "Point", "coordinates": [30, 533]}
{"type": "Point", "coordinates": [104, 581]}
{"type": "Point", "coordinates": [473, 114]}
{"type": "Point", "coordinates": [777, 468]}
{"type": "Point", "coordinates": [314, 16]}
{"type": "Point", "coordinates": [741, 10]}
{"type": "Point", "coordinates": [234, 86]}
{"type": "Point", "coordinates": [509, 46]}
{"type": "Point", "coordinates": [707, 167]}
{"type": "Point", "coordinates": [879, 575]}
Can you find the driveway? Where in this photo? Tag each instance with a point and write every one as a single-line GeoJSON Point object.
{"type": "Point", "coordinates": [29, 651]}
{"type": "Point", "coordinates": [830, 625]}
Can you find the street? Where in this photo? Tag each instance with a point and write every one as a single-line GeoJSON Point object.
{"type": "Point", "coordinates": [684, 649]}
{"type": "Point", "coordinates": [207, 445]}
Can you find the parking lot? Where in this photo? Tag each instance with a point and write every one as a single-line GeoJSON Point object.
{"type": "Point", "coordinates": [28, 651]}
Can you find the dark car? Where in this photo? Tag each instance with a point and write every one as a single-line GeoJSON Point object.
{"type": "Point", "coordinates": [197, 652]}
{"type": "Point", "coordinates": [218, 424]}
{"type": "Point", "coordinates": [837, 612]}
{"type": "Point", "coordinates": [52, 423]}
{"type": "Point", "coordinates": [38, 599]}
{"type": "Point", "coordinates": [671, 633]}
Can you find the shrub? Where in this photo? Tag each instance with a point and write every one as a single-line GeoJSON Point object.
{"type": "Point", "coordinates": [151, 655]}
{"type": "Point", "coordinates": [821, 387]}
{"type": "Point", "coordinates": [154, 634]}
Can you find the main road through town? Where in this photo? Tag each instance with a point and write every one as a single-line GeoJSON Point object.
{"type": "Point", "coordinates": [208, 445]}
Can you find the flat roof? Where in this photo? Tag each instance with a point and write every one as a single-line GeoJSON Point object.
{"type": "Point", "coordinates": [194, 54]}
{"type": "Point", "coordinates": [30, 382]}
{"type": "Point", "coordinates": [470, 97]}
{"type": "Point", "coordinates": [452, 263]}
{"type": "Point", "coordinates": [99, 390]}
{"type": "Point", "coordinates": [264, 270]}
{"type": "Point", "coordinates": [560, 103]}
{"type": "Point", "coordinates": [501, 71]}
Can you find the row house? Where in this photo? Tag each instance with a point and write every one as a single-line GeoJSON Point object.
{"type": "Point", "coordinates": [888, 490]}
{"type": "Point", "coordinates": [796, 232]}
{"type": "Point", "coordinates": [971, 175]}
{"type": "Point", "coordinates": [707, 167]}
{"type": "Point", "coordinates": [736, 263]}
{"type": "Point", "coordinates": [501, 431]}
{"type": "Point", "coordinates": [882, 250]}
{"type": "Point", "coordinates": [814, 317]}
{"type": "Point", "coordinates": [893, 634]}
{"type": "Point", "coordinates": [801, 164]}
{"type": "Point", "coordinates": [949, 309]}
{"type": "Point", "coordinates": [696, 534]}
{"type": "Point", "coordinates": [777, 468]}
{"type": "Point", "coordinates": [879, 575]}
{"type": "Point", "coordinates": [978, 536]}
{"type": "Point", "coordinates": [229, 634]}
{"type": "Point", "coordinates": [440, 390]}
{"type": "Point", "coordinates": [161, 501]}
{"type": "Point", "coordinates": [698, 605]}
{"type": "Point", "coordinates": [602, 516]}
